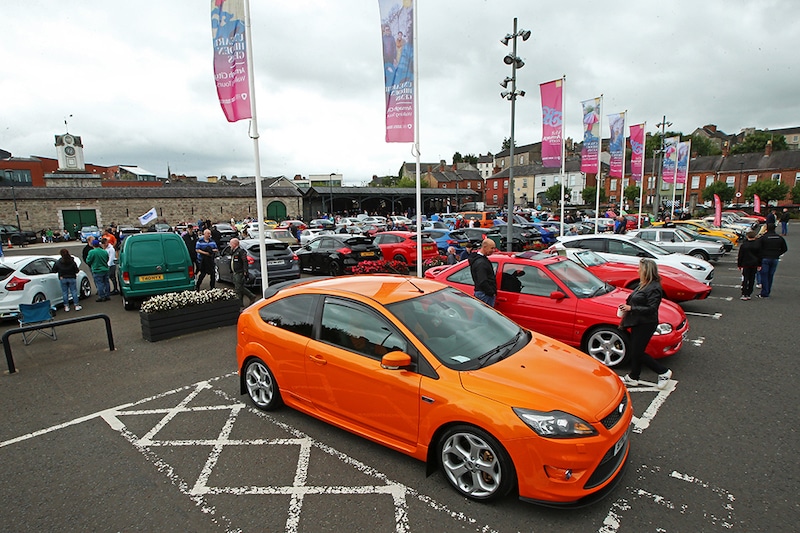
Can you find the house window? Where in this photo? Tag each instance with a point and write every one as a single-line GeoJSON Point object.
{"type": "Point", "coordinates": [612, 186]}
{"type": "Point", "coordinates": [495, 184]}
{"type": "Point", "coordinates": [505, 184]}
{"type": "Point", "coordinates": [775, 177]}
{"type": "Point", "coordinates": [544, 182]}
{"type": "Point", "coordinates": [709, 179]}
{"type": "Point", "coordinates": [522, 160]}
{"type": "Point", "coordinates": [494, 199]}
{"type": "Point", "coordinates": [502, 162]}
{"type": "Point", "coordinates": [730, 181]}
{"type": "Point", "coordinates": [479, 185]}
{"type": "Point", "coordinates": [612, 199]}
{"type": "Point", "coordinates": [469, 185]}
{"type": "Point", "coordinates": [651, 182]}
{"type": "Point", "coordinates": [752, 178]}
{"type": "Point", "coordinates": [524, 183]}
{"type": "Point", "coordinates": [695, 182]}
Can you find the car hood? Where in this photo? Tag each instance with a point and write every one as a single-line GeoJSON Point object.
{"type": "Point", "coordinates": [546, 376]}
{"type": "Point", "coordinates": [668, 311]}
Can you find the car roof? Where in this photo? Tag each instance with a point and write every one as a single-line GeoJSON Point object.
{"type": "Point", "coordinates": [384, 289]}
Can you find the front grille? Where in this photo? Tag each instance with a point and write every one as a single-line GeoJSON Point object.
{"type": "Point", "coordinates": [614, 416]}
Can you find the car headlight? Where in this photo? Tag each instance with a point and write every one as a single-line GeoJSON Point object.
{"type": "Point", "coordinates": [694, 266]}
{"type": "Point", "coordinates": [663, 329]}
{"type": "Point", "coordinates": [555, 424]}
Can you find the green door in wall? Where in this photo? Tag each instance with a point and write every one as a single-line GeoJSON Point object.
{"type": "Point", "coordinates": [276, 211]}
{"type": "Point", "coordinates": [75, 219]}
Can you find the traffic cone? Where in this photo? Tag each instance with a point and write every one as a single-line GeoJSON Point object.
{"type": "Point", "coordinates": [9, 243]}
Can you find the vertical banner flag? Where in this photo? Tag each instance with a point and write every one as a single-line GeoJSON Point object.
{"type": "Point", "coordinates": [230, 58]}
{"type": "Point", "coordinates": [670, 159]}
{"type": "Point", "coordinates": [552, 122]}
{"type": "Point", "coordinates": [637, 152]}
{"type": "Point", "coordinates": [147, 217]}
{"type": "Point", "coordinates": [756, 203]}
{"type": "Point", "coordinates": [616, 144]}
{"type": "Point", "coordinates": [590, 153]}
{"type": "Point", "coordinates": [717, 211]}
{"type": "Point", "coordinates": [397, 28]}
{"type": "Point", "coordinates": [682, 165]}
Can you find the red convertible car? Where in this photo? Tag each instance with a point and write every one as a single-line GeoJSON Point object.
{"type": "Point", "coordinates": [678, 285]}
{"type": "Point", "coordinates": [554, 296]}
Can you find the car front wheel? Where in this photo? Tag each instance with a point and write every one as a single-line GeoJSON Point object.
{"type": "Point", "coordinates": [700, 254]}
{"type": "Point", "coordinates": [608, 345]}
{"type": "Point", "coordinates": [85, 290]}
{"type": "Point", "coordinates": [261, 385]}
{"type": "Point", "coordinates": [475, 463]}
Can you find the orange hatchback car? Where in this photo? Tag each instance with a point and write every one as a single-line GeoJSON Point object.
{"type": "Point", "coordinates": [431, 372]}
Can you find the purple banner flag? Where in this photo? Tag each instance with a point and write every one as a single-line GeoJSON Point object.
{"type": "Point", "coordinates": [616, 144]}
{"type": "Point", "coordinates": [230, 58]}
{"type": "Point", "coordinates": [670, 159]}
{"type": "Point", "coordinates": [637, 152]}
{"type": "Point", "coordinates": [682, 168]}
{"type": "Point", "coordinates": [590, 154]}
{"type": "Point", "coordinates": [552, 122]}
{"type": "Point", "coordinates": [397, 28]}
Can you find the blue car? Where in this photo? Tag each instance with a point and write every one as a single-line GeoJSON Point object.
{"type": "Point", "coordinates": [444, 239]}
{"type": "Point", "coordinates": [89, 233]}
{"type": "Point", "coordinates": [548, 236]}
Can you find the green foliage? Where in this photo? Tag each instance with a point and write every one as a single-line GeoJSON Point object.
{"type": "Point", "coordinates": [631, 193]}
{"type": "Point", "coordinates": [553, 193]}
{"type": "Point", "coordinates": [767, 190]}
{"type": "Point", "coordinates": [507, 144]}
{"type": "Point", "coordinates": [411, 182]}
{"type": "Point", "coordinates": [653, 142]}
{"type": "Point", "coordinates": [721, 189]}
{"type": "Point", "coordinates": [589, 195]}
{"type": "Point", "coordinates": [757, 142]}
{"type": "Point", "coordinates": [796, 194]}
{"type": "Point", "coordinates": [472, 159]}
{"type": "Point", "coordinates": [703, 146]}
{"type": "Point", "coordinates": [457, 158]}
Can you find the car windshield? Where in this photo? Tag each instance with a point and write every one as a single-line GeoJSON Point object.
{"type": "Point", "coordinates": [685, 234]}
{"type": "Point", "coordinates": [650, 247]}
{"type": "Point", "coordinates": [579, 280]}
{"type": "Point", "coordinates": [459, 330]}
{"type": "Point", "coordinates": [589, 258]}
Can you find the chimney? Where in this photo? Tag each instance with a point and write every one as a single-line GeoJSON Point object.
{"type": "Point", "coordinates": [725, 148]}
{"type": "Point", "coordinates": [768, 149]}
{"type": "Point", "coordinates": [710, 127]}
{"type": "Point", "coordinates": [442, 165]}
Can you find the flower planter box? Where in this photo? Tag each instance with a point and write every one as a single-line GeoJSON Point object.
{"type": "Point", "coordinates": [174, 322]}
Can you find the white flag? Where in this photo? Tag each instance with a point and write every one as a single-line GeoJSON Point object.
{"type": "Point", "coordinates": [147, 217]}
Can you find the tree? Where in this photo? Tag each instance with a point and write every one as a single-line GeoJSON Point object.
{"type": "Point", "coordinates": [767, 190]}
{"type": "Point", "coordinates": [757, 142]}
{"type": "Point", "coordinates": [507, 144]}
{"type": "Point", "coordinates": [653, 142]}
{"type": "Point", "coordinates": [631, 193]}
{"type": "Point", "coordinates": [721, 189]}
{"type": "Point", "coordinates": [411, 182]}
{"type": "Point", "coordinates": [703, 146]}
{"type": "Point", "coordinates": [589, 195]}
{"type": "Point", "coordinates": [457, 158]}
{"type": "Point", "coordinates": [472, 159]}
{"type": "Point", "coordinates": [553, 193]}
{"type": "Point", "coordinates": [796, 194]}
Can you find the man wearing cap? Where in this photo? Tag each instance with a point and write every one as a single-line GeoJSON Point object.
{"type": "Point", "coordinates": [97, 259]}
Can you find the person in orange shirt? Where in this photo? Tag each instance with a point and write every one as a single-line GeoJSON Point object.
{"type": "Point", "coordinates": [109, 236]}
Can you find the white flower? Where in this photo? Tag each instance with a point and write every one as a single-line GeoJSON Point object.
{"type": "Point", "coordinates": [179, 300]}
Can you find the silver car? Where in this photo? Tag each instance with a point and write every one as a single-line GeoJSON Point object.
{"type": "Point", "coordinates": [677, 240]}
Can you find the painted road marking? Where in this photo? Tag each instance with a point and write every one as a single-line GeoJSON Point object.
{"type": "Point", "coordinates": [643, 422]}
{"type": "Point", "coordinates": [698, 341]}
{"type": "Point", "coordinates": [715, 316]}
{"type": "Point", "coordinates": [725, 298]}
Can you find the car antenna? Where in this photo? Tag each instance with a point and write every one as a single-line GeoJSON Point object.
{"type": "Point", "coordinates": [408, 278]}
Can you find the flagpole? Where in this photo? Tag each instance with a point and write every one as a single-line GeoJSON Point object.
{"type": "Point", "coordinates": [597, 176]}
{"type": "Point", "coordinates": [674, 181]}
{"type": "Point", "coordinates": [641, 178]}
{"type": "Point", "coordinates": [686, 179]}
{"type": "Point", "coordinates": [415, 149]}
{"type": "Point", "coordinates": [563, 166]}
{"type": "Point", "coordinates": [256, 155]}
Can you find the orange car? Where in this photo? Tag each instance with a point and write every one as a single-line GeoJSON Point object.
{"type": "Point", "coordinates": [431, 372]}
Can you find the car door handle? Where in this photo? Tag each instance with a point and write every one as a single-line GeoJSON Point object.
{"type": "Point", "coordinates": [318, 359]}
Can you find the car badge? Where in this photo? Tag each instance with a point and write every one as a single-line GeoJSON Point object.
{"type": "Point", "coordinates": [158, 268]}
{"type": "Point", "coordinates": [621, 408]}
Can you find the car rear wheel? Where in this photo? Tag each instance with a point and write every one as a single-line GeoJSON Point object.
{"type": "Point", "coordinates": [38, 297]}
{"type": "Point", "coordinates": [608, 345]}
{"type": "Point", "coordinates": [334, 268]}
{"type": "Point", "coordinates": [85, 290]}
{"type": "Point", "coordinates": [128, 304]}
{"type": "Point", "coordinates": [700, 254]}
{"type": "Point", "coordinates": [475, 463]}
{"type": "Point", "coordinates": [261, 385]}
{"type": "Point", "coordinates": [399, 257]}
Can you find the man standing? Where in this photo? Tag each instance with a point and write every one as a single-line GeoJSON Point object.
{"type": "Point", "coordinates": [97, 259]}
{"type": "Point", "coordinates": [239, 269]}
{"type": "Point", "coordinates": [772, 247]}
{"type": "Point", "coordinates": [112, 265]}
{"type": "Point", "coordinates": [785, 221]}
{"type": "Point", "coordinates": [206, 249]}
{"type": "Point", "coordinates": [483, 274]}
{"type": "Point", "coordinates": [190, 238]}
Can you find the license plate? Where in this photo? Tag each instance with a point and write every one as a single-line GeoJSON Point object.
{"type": "Point", "coordinates": [367, 254]}
{"type": "Point", "coordinates": [152, 277]}
{"type": "Point", "coordinates": [620, 443]}
{"type": "Point", "coordinates": [276, 262]}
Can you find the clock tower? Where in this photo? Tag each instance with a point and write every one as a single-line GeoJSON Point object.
{"type": "Point", "coordinates": [70, 153]}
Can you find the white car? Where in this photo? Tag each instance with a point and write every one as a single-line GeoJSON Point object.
{"type": "Point", "coordinates": [26, 279]}
{"type": "Point", "coordinates": [307, 234]}
{"type": "Point", "coordinates": [625, 249]}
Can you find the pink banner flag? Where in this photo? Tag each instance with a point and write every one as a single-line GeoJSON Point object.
{"type": "Point", "coordinates": [397, 28]}
{"type": "Point", "coordinates": [616, 144]}
{"type": "Point", "coordinates": [682, 166]}
{"type": "Point", "coordinates": [590, 154]}
{"type": "Point", "coordinates": [756, 203]}
{"type": "Point", "coordinates": [230, 58]}
{"type": "Point", "coordinates": [717, 211]}
{"type": "Point", "coordinates": [637, 152]}
{"type": "Point", "coordinates": [552, 122]}
{"type": "Point", "coordinates": [670, 159]}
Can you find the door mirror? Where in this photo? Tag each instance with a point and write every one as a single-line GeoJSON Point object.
{"type": "Point", "coordinates": [557, 295]}
{"type": "Point", "coordinates": [395, 360]}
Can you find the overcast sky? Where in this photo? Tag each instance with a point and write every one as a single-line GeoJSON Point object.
{"type": "Point", "coordinates": [137, 78]}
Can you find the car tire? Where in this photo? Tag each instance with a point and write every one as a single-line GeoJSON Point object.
{"type": "Point", "coordinates": [475, 463]}
{"type": "Point", "coordinates": [262, 389]}
{"type": "Point", "coordinates": [38, 297]}
{"type": "Point", "coordinates": [85, 289]}
{"type": "Point", "coordinates": [128, 304]}
{"type": "Point", "coordinates": [399, 257]}
{"type": "Point", "coordinates": [607, 344]}
{"type": "Point", "coordinates": [700, 254]}
{"type": "Point", "coordinates": [334, 268]}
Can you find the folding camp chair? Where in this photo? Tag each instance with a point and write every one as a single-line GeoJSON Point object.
{"type": "Point", "coordinates": [33, 314]}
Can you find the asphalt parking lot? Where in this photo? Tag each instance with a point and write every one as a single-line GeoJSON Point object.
{"type": "Point", "coordinates": [155, 437]}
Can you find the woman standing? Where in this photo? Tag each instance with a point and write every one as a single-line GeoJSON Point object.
{"type": "Point", "coordinates": [641, 316]}
{"type": "Point", "coordinates": [67, 270]}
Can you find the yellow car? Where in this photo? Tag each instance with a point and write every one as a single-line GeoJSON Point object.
{"type": "Point", "coordinates": [704, 229]}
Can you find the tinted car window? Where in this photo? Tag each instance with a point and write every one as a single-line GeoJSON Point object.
{"type": "Point", "coordinates": [295, 314]}
{"type": "Point", "coordinates": [598, 245]}
{"type": "Point", "coordinates": [358, 329]}
{"type": "Point", "coordinates": [527, 280]}
{"type": "Point", "coordinates": [625, 248]}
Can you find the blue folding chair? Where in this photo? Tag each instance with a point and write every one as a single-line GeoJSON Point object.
{"type": "Point", "coordinates": [33, 314]}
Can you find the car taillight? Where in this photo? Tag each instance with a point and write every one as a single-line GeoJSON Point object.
{"type": "Point", "coordinates": [250, 260]}
{"type": "Point", "coordinates": [294, 257]}
{"type": "Point", "coordinates": [451, 241]}
{"type": "Point", "coordinates": [344, 251]}
{"type": "Point", "coordinates": [16, 284]}
{"type": "Point", "coordinates": [191, 271]}
{"type": "Point", "coordinates": [126, 277]}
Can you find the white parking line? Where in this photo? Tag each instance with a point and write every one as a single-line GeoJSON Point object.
{"type": "Point", "coordinates": [715, 316]}
{"type": "Point", "coordinates": [643, 422]}
{"type": "Point", "coordinates": [725, 298]}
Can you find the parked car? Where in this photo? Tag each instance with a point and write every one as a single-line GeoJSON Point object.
{"type": "Point", "coordinates": [758, 218]}
{"type": "Point", "coordinates": [227, 232]}
{"type": "Point", "coordinates": [308, 234]}
{"type": "Point", "coordinates": [89, 233]}
{"type": "Point", "coordinates": [17, 236]}
{"type": "Point", "coordinates": [160, 227]}
{"type": "Point", "coordinates": [625, 249]}
{"type": "Point", "coordinates": [282, 263]}
{"type": "Point", "coordinates": [125, 231]}
{"type": "Point", "coordinates": [295, 223]}
{"type": "Point", "coordinates": [26, 279]}
{"type": "Point", "coordinates": [678, 286]}
{"type": "Point", "coordinates": [704, 228]}
{"type": "Point", "coordinates": [445, 238]}
{"type": "Point", "coordinates": [554, 296]}
{"type": "Point", "coordinates": [430, 372]}
{"type": "Point", "coordinates": [321, 223]}
{"type": "Point", "coordinates": [402, 246]}
{"type": "Point", "coordinates": [523, 237]}
{"type": "Point", "coordinates": [337, 254]}
{"type": "Point", "coordinates": [677, 240]}
{"type": "Point", "coordinates": [281, 234]}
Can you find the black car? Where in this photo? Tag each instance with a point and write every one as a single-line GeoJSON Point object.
{"type": "Point", "coordinates": [281, 262]}
{"type": "Point", "coordinates": [477, 235]}
{"type": "Point", "coordinates": [10, 232]}
{"type": "Point", "coordinates": [337, 254]}
{"type": "Point", "coordinates": [226, 233]}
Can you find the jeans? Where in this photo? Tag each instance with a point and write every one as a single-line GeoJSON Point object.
{"type": "Point", "coordinates": [768, 268]}
{"type": "Point", "coordinates": [101, 282]}
{"type": "Point", "coordinates": [485, 298]}
{"type": "Point", "coordinates": [784, 228]}
{"type": "Point", "coordinates": [69, 286]}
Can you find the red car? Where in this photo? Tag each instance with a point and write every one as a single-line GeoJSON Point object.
{"type": "Point", "coordinates": [402, 246]}
{"type": "Point", "coordinates": [296, 223]}
{"type": "Point", "coordinates": [556, 297]}
{"type": "Point", "coordinates": [678, 285]}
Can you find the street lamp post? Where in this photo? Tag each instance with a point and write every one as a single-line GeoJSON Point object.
{"type": "Point", "coordinates": [739, 185]}
{"type": "Point", "coordinates": [10, 178]}
{"type": "Point", "coordinates": [330, 192]}
{"type": "Point", "coordinates": [515, 62]}
{"type": "Point", "coordinates": [663, 125]}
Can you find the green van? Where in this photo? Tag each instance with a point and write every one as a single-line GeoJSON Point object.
{"type": "Point", "coordinates": [153, 263]}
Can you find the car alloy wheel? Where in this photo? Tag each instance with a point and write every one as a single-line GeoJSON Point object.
{"type": "Point", "coordinates": [261, 385]}
{"type": "Point", "coordinates": [608, 345]}
{"type": "Point", "coordinates": [38, 297]}
{"type": "Point", "coordinates": [86, 289]}
{"type": "Point", "coordinates": [475, 464]}
{"type": "Point", "coordinates": [334, 269]}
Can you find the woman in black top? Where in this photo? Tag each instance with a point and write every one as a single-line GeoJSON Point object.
{"type": "Point", "coordinates": [641, 316]}
{"type": "Point", "coordinates": [67, 270]}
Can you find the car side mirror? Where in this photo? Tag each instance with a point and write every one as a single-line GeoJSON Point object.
{"type": "Point", "coordinates": [557, 295]}
{"type": "Point", "coordinates": [395, 360]}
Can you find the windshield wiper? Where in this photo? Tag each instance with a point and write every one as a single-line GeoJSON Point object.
{"type": "Point", "coordinates": [596, 292]}
{"type": "Point", "coordinates": [488, 356]}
